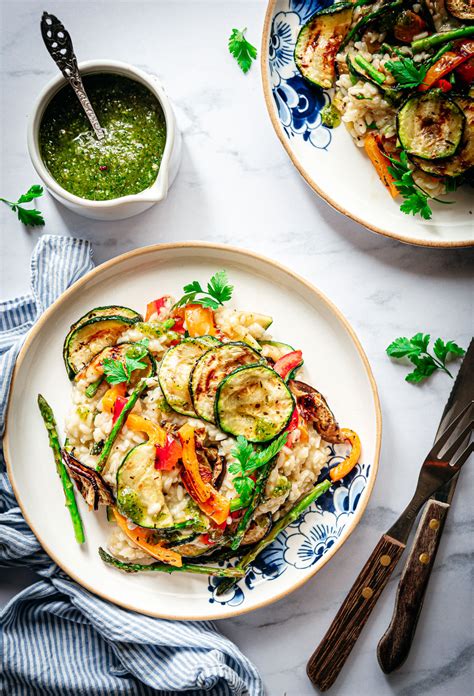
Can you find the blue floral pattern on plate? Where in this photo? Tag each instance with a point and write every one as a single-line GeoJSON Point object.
{"type": "Point", "coordinates": [298, 102]}
{"type": "Point", "coordinates": [304, 542]}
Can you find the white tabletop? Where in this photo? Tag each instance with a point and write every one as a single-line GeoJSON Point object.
{"type": "Point", "coordinates": [236, 185]}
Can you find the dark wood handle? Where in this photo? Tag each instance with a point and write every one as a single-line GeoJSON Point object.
{"type": "Point", "coordinates": [395, 644]}
{"type": "Point", "coordinates": [328, 659]}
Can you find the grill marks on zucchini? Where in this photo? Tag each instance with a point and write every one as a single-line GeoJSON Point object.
{"type": "Point", "coordinates": [139, 489]}
{"type": "Point", "coordinates": [462, 9]}
{"type": "Point", "coordinates": [90, 338]}
{"type": "Point", "coordinates": [107, 311]}
{"type": "Point", "coordinates": [175, 371]}
{"type": "Point", "coordinates": [210, 370]}
{"type": "Point", "coordinates": [319, 41]}
{"type": "Point", "coordinates": [254, 402]}
{"type": "Point", "coordinates": [430, 126]}
{"type": "Point", "coordinates": [463, 160]}
{"type": "Point", "coordinates": [94, 369]}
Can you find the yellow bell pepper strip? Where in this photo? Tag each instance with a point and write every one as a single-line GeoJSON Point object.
{"type": "Point", "coordinates": [340, 470]}
{"type": "Point", "coordinates": [139, 537]}
{"type": "Point", "coordinates": [449, 61]}
{"type": "Point", "coordinates": [381, 163]}
{"type": "Point", "coordinates": [108, 400]}
{"type": "Point", "coordinates": [156, 434]}
{"type": "Point", "coordinates": [199, 320]}
{"type": "Point", "coordinates": [210, 501]}
{"type": "Point", "coordinates": [168, 450]}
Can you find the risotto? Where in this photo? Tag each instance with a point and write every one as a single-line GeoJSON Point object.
{"type": "Point", "coordinates": [190, 426]}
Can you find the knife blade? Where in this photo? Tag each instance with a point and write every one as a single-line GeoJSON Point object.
{"type": "Point", "coordinates": [394, 646]}
{"type": "Point", "coordinates": [442, 462]}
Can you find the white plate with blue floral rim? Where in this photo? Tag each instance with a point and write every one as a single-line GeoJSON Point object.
{"type": "Point", "coordinates": [334, 362]}
{"type": "Point", "coordinates": [338, 170]}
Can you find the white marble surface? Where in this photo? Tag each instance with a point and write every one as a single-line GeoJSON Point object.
{"type": "Point", "coordinates": [237, 186]}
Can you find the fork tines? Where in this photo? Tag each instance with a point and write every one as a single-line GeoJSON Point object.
{"type": "Point", "coordinates": [465, 421]}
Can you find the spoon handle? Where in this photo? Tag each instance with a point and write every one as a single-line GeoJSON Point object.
{"type": "Point", "coordinates": [58, 42]}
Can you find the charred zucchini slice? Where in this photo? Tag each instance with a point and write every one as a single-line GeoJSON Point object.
{"type": "Point", "coordinates": [319, 41]}
{"type": "Point", "coordinates": [108, 311]}
{"type": "Point", "coordinates": [210, 370]}
{"type": "Point", "coordinates": [94, 370]}
{"type": "Point", "coordinates": [255, 402]}
{"type": "Point", "coordinates": [175, 371]}
{"type": "Point", "coordinates": [430, 126]}
{"type": "Point", "coordinates": [463, 160]}
{"type": "Point", "coordinates": [140, 489]}
{"type": "Point", "coordinates": [90, 338]}
{"type": "Point", "coordinates": [462, 9]}
{"type": "Point", "coordinates": [275, 349]}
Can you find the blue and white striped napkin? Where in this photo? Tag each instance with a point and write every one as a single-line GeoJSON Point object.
{"type": "Point", "coordinates": [57, 637]}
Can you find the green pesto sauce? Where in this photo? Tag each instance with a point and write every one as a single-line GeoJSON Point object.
{"type": "Point", "coordinates": [126, 161]}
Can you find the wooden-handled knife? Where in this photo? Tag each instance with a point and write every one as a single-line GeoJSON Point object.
{"type": "Point", "coordinates": [395, 644]}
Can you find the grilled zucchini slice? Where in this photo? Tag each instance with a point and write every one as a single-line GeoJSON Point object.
{"type": "Point", "coordinates": [319, 41]}
{"type": "Point", "coordinates": [93, 371]}
{"type": "Point", "coordinates": [108, 311]}
{"type": "Point", "coordinates": [175, 371]}
{"type": "Point", "coordinates": [90, 338]}
{"type": "Point", "coordinates": [430, 126]}
{"type": "Point", "coordinates": [463, 160]}
{"type": "Point", "coordinates": [210, 370]}
{"type": "Point", "coordinates": [140, 489]}
{"type": "Point", "coordinates": [462, 9]}
{"type": "Point", "coordinates": [275, 349]}
{"type": "Point", "coordinates": [255, 402]}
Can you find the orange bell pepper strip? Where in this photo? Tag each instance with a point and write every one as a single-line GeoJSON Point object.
{"type": "Point", "coordinates": [139, 537]}
{"type": "Point", "coordinates": [199, 320]}
{"type": "Point", "coordinates": [381, 163]}
{"type": "Point", "coordinates": [448, 62]}
{"type": "Point", "coordinates": [340, 470]}
{"type": "Point", "coordinates": [210, 501]}
{"type": "Point", "coordinates": [156, 434]}
{"type": "Point", "coordinates": [110, 396]}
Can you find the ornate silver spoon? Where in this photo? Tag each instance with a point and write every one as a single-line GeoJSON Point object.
{"type": "Point", "coordinates": [59, 45]}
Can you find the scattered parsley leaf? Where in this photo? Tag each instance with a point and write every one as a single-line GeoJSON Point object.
{"type": "Point", "coordinates": [118, 371]}
{"type": "Point", "coordinates": [28, 216]}
{"type": "Point", "coordinates": [415, 349]}
{"type": "Point", "coordinates": [218, 291]}
{"type": "Point", "coordinates": [406, 72]}
{"type": "Point", "coordinates": [415, 198]}
{"type": "Point", "coordinates": [243, 51]}
{"type": "Point", "coordinates": [248, 460]}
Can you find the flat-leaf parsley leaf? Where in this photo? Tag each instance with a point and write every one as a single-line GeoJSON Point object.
{"type": "Point", "coordinates": [118, 371]}
{"type": "Point", "coordinates": [28, 216]}
{"type": "Point", "coordinates": [415, 349]}
{"type": "Point", "coordinates": [247, 461]}
{"type": "Point", "coordinates": [243, 51]}
{"type": "Point", "coordinates": [218, 291]}
{"type": "Point", "coordinates": [406, 72]}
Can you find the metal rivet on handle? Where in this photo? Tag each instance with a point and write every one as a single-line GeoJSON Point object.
{"type": "Point", "coordinates": [367, 593]}
{"type": "Point", "coordinates": [434, 524]}
{"type": "Point", "coordinates": [385, 560]}
{"type": "Point", "coordinates": [424, 558]}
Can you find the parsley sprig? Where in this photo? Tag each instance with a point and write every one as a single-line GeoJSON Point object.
{"type": "Point", "coordinates": [406, 72]}
{"type": "Point", "coordinates": [248, 460]}
{"type": "Point", "coordinates": [416, 199]}
{"type": "Point", "coordinates": [243, 51]}
{"type": "Point", "coordinates": [117, 371]}
{"type": "Point", "coordinates": [218, 291]}
{"type": "Point", "coordinates": [28, 216]}
{"type": "Point", "coordinates": [416, 350]}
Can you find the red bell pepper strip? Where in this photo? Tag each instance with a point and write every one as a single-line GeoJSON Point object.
{"type": "Point", "coordinates": [285, 365]}
{"type": "Point", "coordinates": [466, 71]}
{"type": "Point", "coordinates": [155, 306]}
{"type": "Point", "coordinates": [444, 85]}
{"type": "Point", "coordinates": [119, 405]}
{"type": "Point", "coordinates": [169, 455]}
{"type": "Point", "coordinates": [449, 61]}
